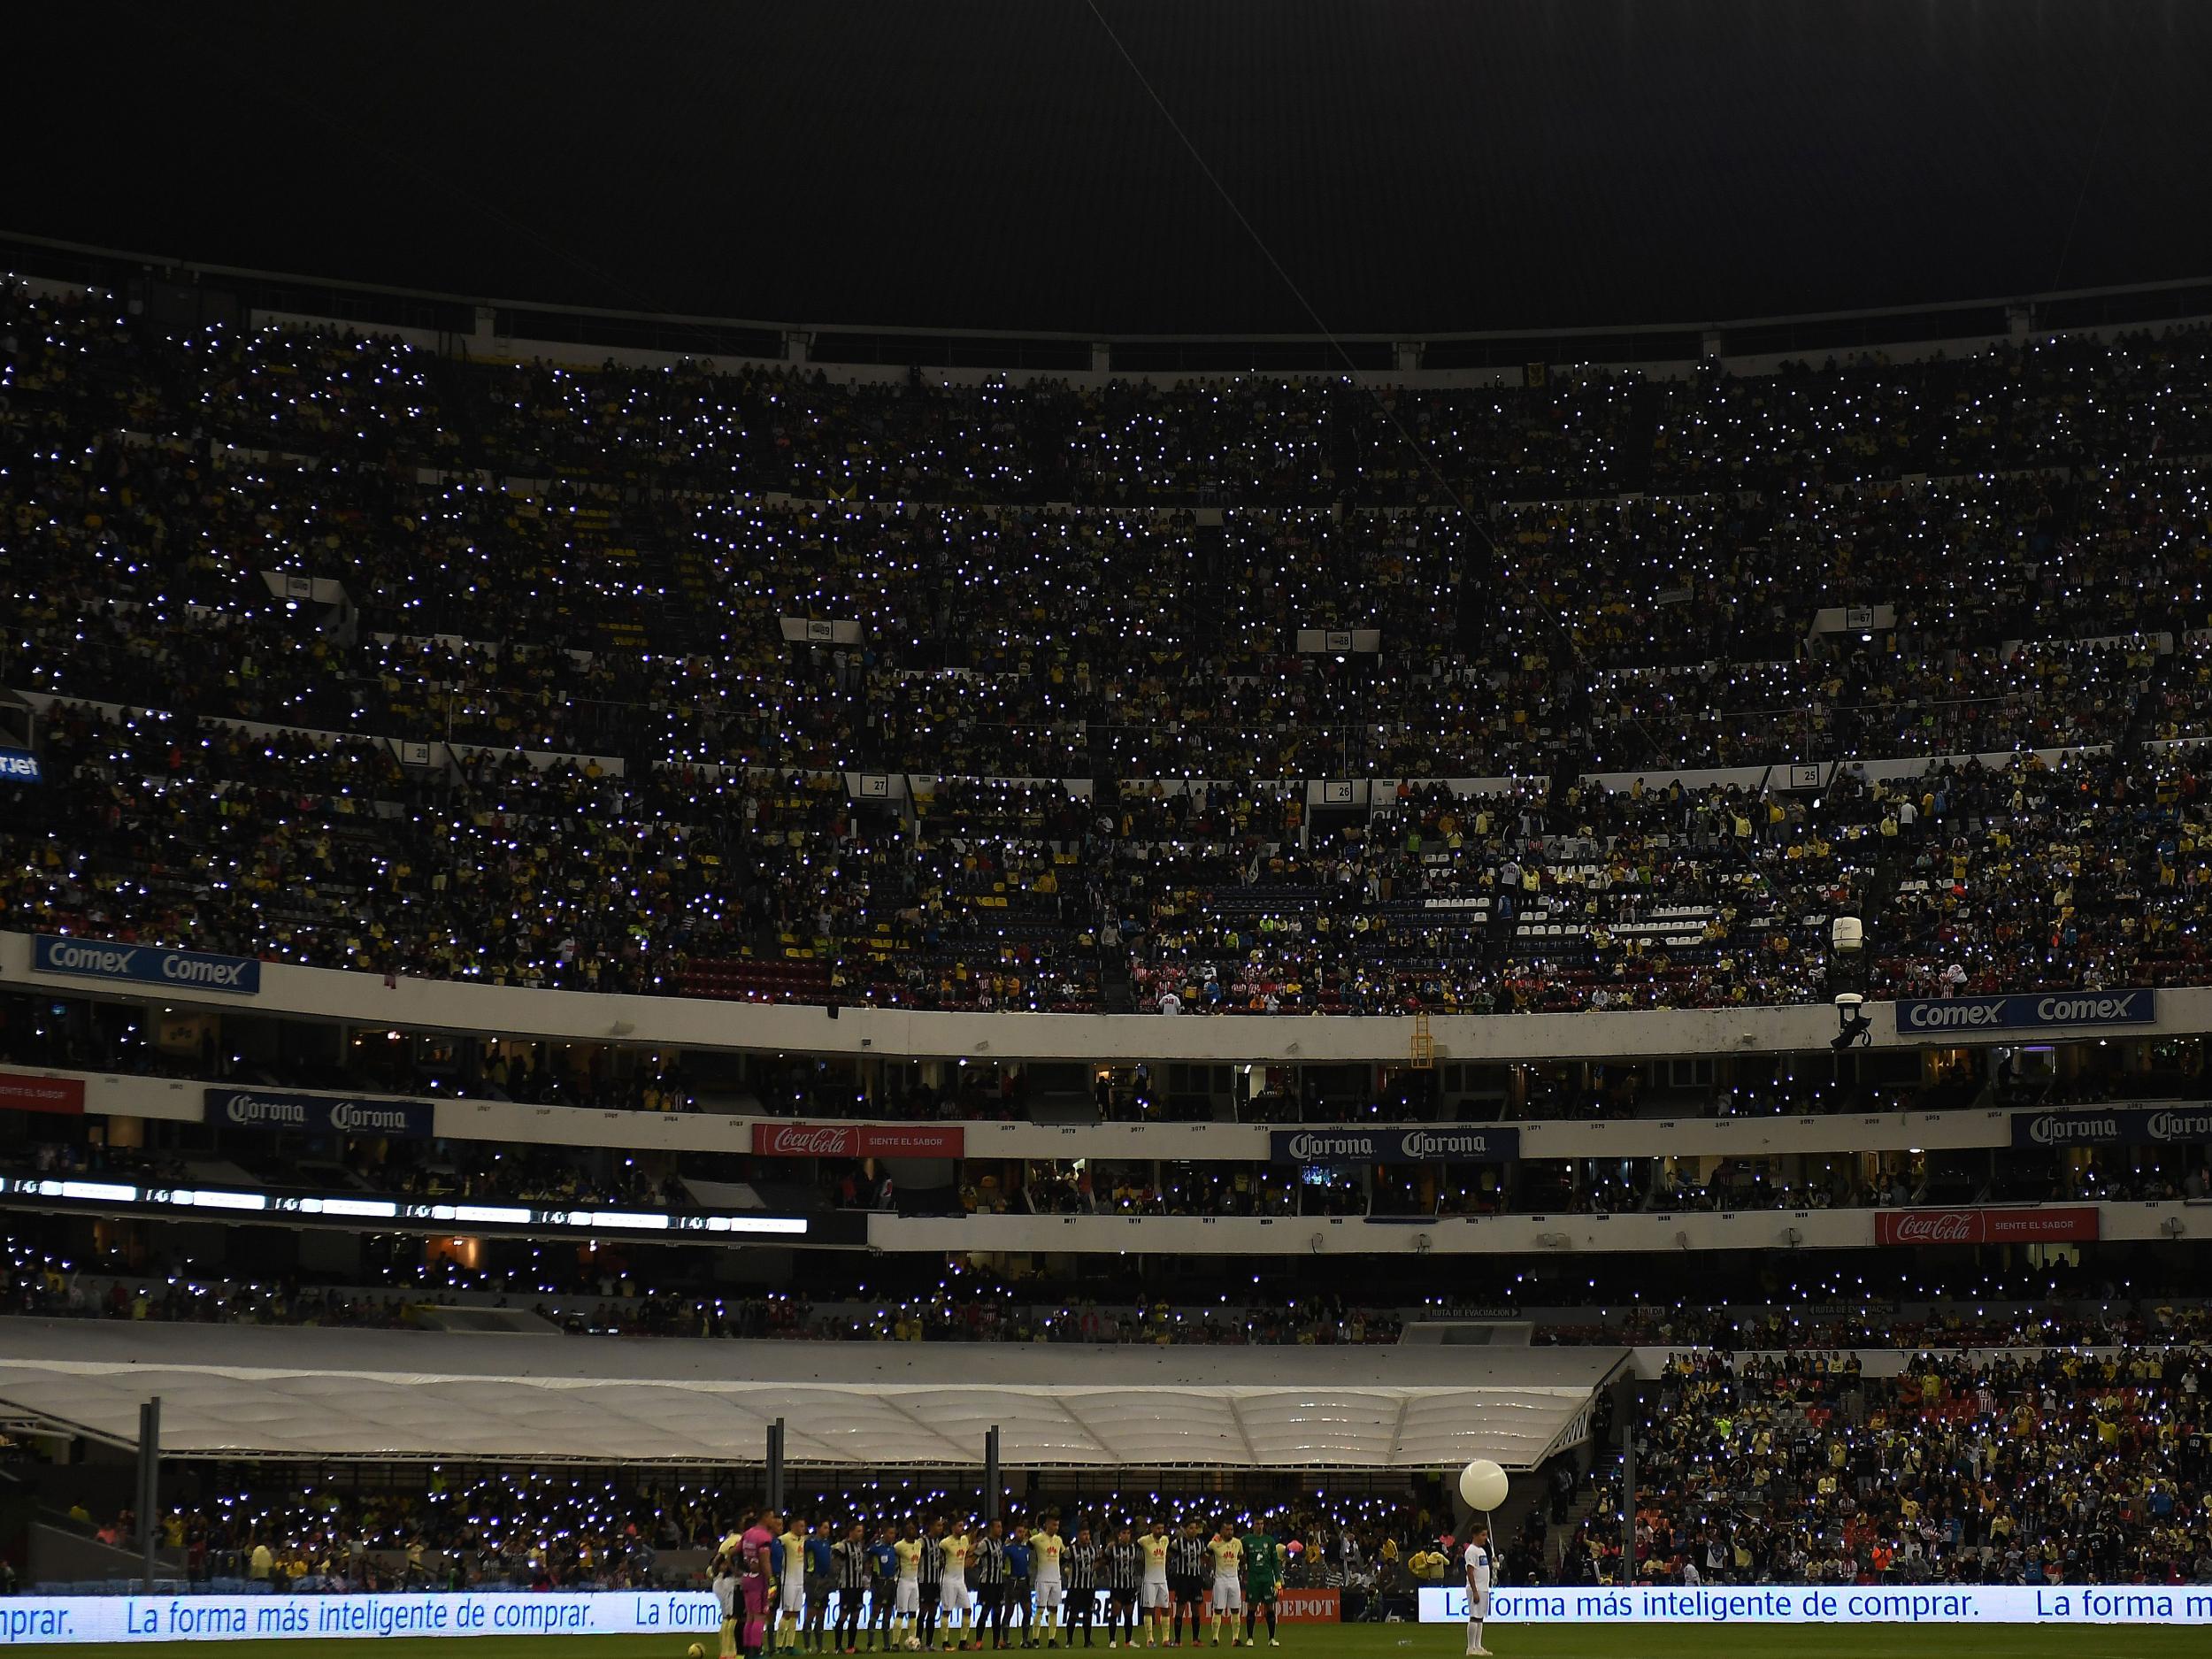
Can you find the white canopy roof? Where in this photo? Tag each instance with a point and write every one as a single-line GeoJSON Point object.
{"type": "Point", "coordinates": [267, 1392]}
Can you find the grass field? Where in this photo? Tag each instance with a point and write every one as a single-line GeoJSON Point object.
{"type": "Point", "coordinates": [1356, 1641]}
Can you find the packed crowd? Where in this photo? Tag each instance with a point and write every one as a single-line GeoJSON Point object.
{"type": "Point", "coordinates": [613, 1297]}
{"type": "Point", "coordinates": [333, 852]}
{"type": "Point", "coordinates": [709, 597]}
{"type": "Point", "coordinates": [2058, 1467]}
{"type": "Point", "coordinates": [455, 1530]}
{"type": "Point", "coordinates": [1026, 642]}
{"type": "Point", "coordinates": [1944, 1326]}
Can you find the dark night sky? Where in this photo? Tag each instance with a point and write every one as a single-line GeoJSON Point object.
{"type": "Point", "coordinates": [1422, 166]}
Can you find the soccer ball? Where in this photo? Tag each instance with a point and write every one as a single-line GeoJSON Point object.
{"type": "Point", "coordinates": [913, 1644]}
{"type": "Point", "coordinates": [695, 1652]}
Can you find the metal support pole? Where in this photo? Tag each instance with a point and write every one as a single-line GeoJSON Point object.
{"type": "Point", "coordinates": [775, 1466]}
{"type": "Point", "coordinates": [1628, 1492]}
{"type": "Point", "coordinates": [149, 1483]}
{"type": "Point", "coordinates": [991, 1480]}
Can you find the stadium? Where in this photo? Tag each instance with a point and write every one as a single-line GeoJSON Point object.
{"type": "Point", "coordinates": [1361, 826]}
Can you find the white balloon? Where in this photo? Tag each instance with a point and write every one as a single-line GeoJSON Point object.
{"type": "Point", "coordinates": [1482, 1483]}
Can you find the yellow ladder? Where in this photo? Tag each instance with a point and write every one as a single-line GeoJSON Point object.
{"type": "Point", "coordinates": [1422, 1056]}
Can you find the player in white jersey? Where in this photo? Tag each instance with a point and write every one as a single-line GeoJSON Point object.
{"type": "Point", "coordinates": [792, 1547]}
{"type": "Point", "coordinates": [1154, 1600]}
{"type": "Point", "coordinates": [1046, 1547]}
{"type": "Point", "coordinates": [726, 1594]}
{"type": "Point", "coordinates": [1478, 1564]}
{"type": "Point", "coordinates": [1226, 1550]}
{"type": "Point", "coordinates": [955, 1603]}
{"type": "Point", "coordinates": [906, 1594]}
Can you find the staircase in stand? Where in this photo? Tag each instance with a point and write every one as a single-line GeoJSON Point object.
{"type": "Point", "coordinates": [1117, 992]}
{"type": "Point", "coordinates": [688, 608]}
{"type": "Point", "coordinates": [1597, 1481]}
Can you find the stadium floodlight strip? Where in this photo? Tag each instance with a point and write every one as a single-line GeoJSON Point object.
{"type": "Point", "coordinates": [215, 1201]}
{"type": "Point", "coordinates": [791, 1226]}
{"type": "Point", "coordinates": [107, 1192]}
{"type": "Point", "coordinates": [615, 1220]}
{"type": "Point", "coordinates": [420, 1215]}
{"type": "Point", "coordinates": [487, 1215]}
{"type": "Point", "coordinates": [382, 1209]}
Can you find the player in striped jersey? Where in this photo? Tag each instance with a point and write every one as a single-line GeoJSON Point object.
{"type": "Point", "coordinates": [1085, 1566]}
{"type": "Point", "coordinates": [1186, 1564]}
{"type": "Point", "coordinates": [1124, 1571]}
{"type": "Point", "coordinates": [933, 1572]}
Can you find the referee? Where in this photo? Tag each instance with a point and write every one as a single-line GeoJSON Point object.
{"type": "Point", "coordinates": [1187, 1566]}
{"type": "Point", "coordinates": [883, 1588]}
{"type": "Point", "coordinates": [1082, 1565]}
{"type": "Point", "coordinates": [1021, 1562]}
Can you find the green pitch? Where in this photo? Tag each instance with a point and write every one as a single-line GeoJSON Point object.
{"type": "Point", "coordinates": [1336, 1641]}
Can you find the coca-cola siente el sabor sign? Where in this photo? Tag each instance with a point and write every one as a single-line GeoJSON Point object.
{"type": "Point", "coordinates": [2043, 1224]}
{"type": "Point", "coordinates": [858, 1141]}
{"type": "Point", "coordinates": [804, 1141]}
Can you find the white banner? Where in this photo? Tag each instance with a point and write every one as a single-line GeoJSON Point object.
{"type": "Point", "coordinates": [817, 632]}
{"type": "Point", "coordinates": [27, 1620]}
{"type": "Point", "coordinates": [1834, 1604]}
{"type": "Point", "coordinates": [1338, 641]}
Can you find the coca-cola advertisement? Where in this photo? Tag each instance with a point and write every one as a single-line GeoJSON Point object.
{"type": "Point", "coordinates": [858, 1141]}
{"type": "Point", "coordinates": [2044, 1224]}
{"type": "Point", "coordinates": [2041, 1226]}
{"type": "Point", "coordinates": [805, 1140]}
{"type": "Point", "coordinates": [22, 1093]}
{"type": "Point", "coordinates": [922, 1141]}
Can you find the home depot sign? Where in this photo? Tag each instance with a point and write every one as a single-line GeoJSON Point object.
{"type": "Point", "coordinates": [1309, 1607]}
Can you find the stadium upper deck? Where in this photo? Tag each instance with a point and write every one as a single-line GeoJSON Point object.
{"type": "Point", "coordinates": [824, 744]}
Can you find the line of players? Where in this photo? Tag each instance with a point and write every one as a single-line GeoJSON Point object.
{"type": "Point", "coordinates": [789, 1587]}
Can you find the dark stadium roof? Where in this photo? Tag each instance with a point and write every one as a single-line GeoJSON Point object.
{"type": "Point", "coordinates": [1415, 165]}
